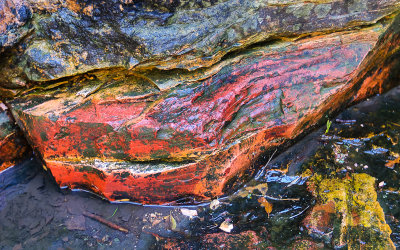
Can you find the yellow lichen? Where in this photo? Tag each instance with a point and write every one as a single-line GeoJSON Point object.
{"type": "Point", "coordinates": [355, 200]}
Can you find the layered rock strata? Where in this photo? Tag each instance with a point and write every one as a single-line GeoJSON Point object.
{"type": "Point", "coordinates": [165, 101]}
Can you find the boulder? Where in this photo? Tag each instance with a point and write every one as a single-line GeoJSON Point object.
{"type": "Point", "coordinates": [72, 37]}
{"type": "Point", "coordinates": [13, 145]}
{"type": "Point", "coordinates": [171, 100]}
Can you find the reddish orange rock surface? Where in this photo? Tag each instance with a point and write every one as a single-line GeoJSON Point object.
{"type": "Point", "coordinates": [124, 136]}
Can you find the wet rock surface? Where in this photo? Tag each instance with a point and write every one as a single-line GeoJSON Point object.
{"type": "Point", "coordinates": [155, 101]}
{"type": "Point", "coordinates": [183, 102]}
{"type": "Point", "coordinates": [13, 145]}
{"type": "Point", "coordinates": [157, 136]}
{"type": "Point", "coordinates": [361, 142]}
{"type": "Point", "coordinates": [74, 37]}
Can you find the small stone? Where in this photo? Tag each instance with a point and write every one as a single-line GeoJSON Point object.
{"type": "Point", "coordinates": [189, 212]}
{"type": "Point", "coordinates": [226, 226]}
{"type": "Point", "coordinates": [214, 204]}
{"type": "Point", "coordinates": [105, 238]}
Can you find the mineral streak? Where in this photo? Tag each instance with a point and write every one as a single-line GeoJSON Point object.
{"type": "Point", "coordinates": [154, 101]}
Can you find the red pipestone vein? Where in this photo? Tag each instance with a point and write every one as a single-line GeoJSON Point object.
{"type": "Point", "coordinates": [191, 139]}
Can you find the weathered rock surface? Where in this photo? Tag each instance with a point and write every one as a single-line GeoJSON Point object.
{"type": "Point", "coordinates": [141, 101]}
{"type": "Point", "coordinates": [12, 142]}
{"type": "Point", "coordinates": [73, 37]}
{"type": "Point", "coordinates": [14, 22]}
{"type": "Point", "coordinates": [121, 136]}
{"type": "Point", "coordinates": [349, 213]}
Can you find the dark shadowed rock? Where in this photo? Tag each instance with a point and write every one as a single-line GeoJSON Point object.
{"type": "Point", "coordinates": [12, 142]}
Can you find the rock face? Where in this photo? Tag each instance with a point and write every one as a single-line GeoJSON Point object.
{"type": "Point", "coordinates": [12, 142]}
{"type": "Point", "coordinates": [72, 37]}
{"type": "Point", "coordinates": [168, 100]}
{"type": "Point", "coordinates": [14, 22]}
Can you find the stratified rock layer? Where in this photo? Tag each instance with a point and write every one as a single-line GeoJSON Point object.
{"type": "Point", "coordinates": [152, 101]}
{"type": "Point", "coordinates": [74, 37]}
{"type": "Point", "coordinates": [122, 136]}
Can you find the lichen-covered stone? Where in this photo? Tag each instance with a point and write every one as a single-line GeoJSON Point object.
{"type": "Point", "coordinates": [348, 213]}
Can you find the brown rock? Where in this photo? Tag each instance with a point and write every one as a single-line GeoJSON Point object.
{"type": "Point", "coordinates": [320, 222]}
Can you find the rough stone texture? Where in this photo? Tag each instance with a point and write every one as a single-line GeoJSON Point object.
{"type": "Point", "coordinates": [348, 213]}
{"type": "Point", "coordinates": [320, 223]}
{"type": "Point", "coordinates": [72, 37]}
{"type": "Point", "coordinates": [141, 101]}
{"type": "Point", "coordinates": [12, 143]}
{"type": "Point", "coordinates": [14, 22]}
{"type": "Point", "coordinates": [118, 135]}
{"type": "Point", "coordinates": [307, 245]}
